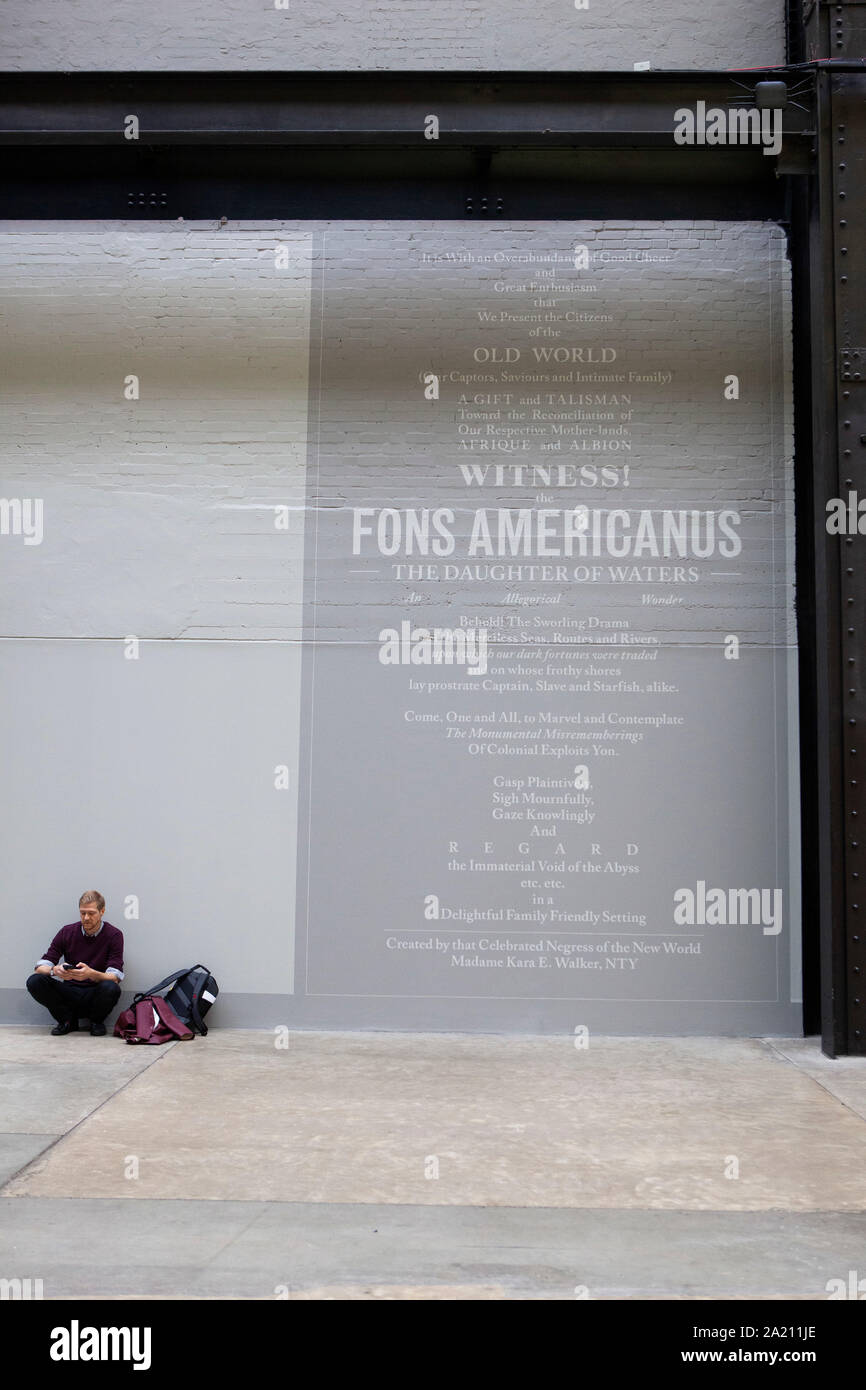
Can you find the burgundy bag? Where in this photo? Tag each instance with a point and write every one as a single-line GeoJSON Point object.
{"type": "Point", "coordinates": [151, 1020]}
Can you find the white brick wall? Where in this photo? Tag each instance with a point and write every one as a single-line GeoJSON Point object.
{"type": "Point", "coordinates": [77, 35]}
{"type": "Point", "coordinates": [173, 493]}
{"type": "Point", "coordinates": [155, 777]}
{"type": "Point", "coordinates": [170, 493]}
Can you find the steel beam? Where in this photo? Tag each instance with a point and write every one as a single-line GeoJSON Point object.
{"type": "Point", "coordinates": [562, 145]}
{"type": "Point", "coordinates": [385, 109]}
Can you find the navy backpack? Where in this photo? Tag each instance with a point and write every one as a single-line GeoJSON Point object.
{"type": "Point", "coordinates": [190, 993]}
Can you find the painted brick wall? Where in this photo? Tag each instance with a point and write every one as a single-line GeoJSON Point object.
{"type": "Point", "coordinates": [154, 777]}
{"type": "Point", "coordinates": [175, 491]}
{"type": "Point", "coordinates": [402, 34]}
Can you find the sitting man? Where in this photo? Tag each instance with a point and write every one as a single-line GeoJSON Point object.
{"type": "Point", "coordinates": [90, 987]}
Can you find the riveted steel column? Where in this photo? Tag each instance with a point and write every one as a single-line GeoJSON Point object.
{"type": "Point", "coordinates": [838, 312]}
{"type": "Point", "coordinates": [848, 102]}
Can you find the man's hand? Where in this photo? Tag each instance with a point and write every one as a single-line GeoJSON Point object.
{"type": "Point", "coordinates": [59, 972]}
{"type": "Point", "coordinates": [82, 972]}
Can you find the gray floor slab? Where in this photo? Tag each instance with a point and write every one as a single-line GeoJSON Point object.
{"type": "Point", "coordinates": [187, 1249]}
{"type": "Point", "coordinates": [445, 1119]}
{"type": "Point", "coordinates": [602, 1172]}
{"type": "Point", "coordinates": [34, 1043]}
{"type": "Point", "coordinates": [17, 1150]}
{"type": "Point", "coordinates": [842, 1077]}
{"type": "Point", "coordinates": [48, 1085]}
{"type": "Point", "coordinates": [48, 1098]}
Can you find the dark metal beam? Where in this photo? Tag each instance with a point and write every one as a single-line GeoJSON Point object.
{"type": "Point", "coordinates": [559, 145]}
{"type": "Point", "coordinates": [576, 110]}
{"type": "Point", "coordinates": [271, 182]}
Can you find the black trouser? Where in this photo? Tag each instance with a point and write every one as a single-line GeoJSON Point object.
{"type": "Point", "coordinates": [67, 1002]}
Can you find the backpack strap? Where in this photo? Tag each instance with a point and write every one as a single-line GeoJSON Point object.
{"type": "Point", "coordinates": [197, 1019]}
{"type": "Point", "coordinates": [169, 980]}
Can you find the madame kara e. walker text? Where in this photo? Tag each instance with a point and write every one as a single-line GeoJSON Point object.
{"type": "Point", "coordinates": [515, 962]}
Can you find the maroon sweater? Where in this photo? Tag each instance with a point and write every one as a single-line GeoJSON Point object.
{"type": "Point", "coordinates": [101, 952]}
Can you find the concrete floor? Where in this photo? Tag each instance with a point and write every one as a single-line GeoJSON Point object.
{"type": "Point", "coordinates": [421, 1166]}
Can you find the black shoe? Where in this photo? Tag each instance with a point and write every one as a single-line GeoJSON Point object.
{"type": "Point", "coordinates": [61, 1029]}
{"type": "Point", "coordinates": [97, 1030]}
